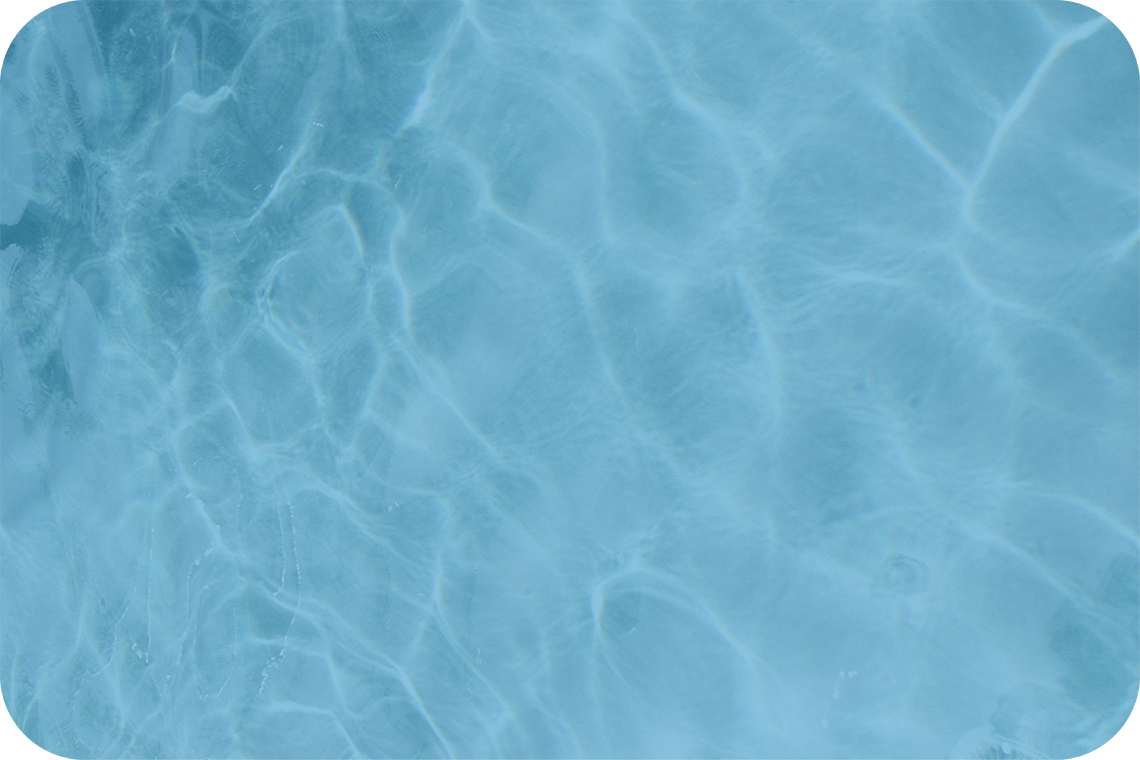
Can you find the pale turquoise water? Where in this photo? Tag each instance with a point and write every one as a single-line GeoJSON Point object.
{"type": "Point", "coordinates": [560, 380]}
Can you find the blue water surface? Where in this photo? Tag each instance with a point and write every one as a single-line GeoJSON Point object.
{"type": "Point", "coordinates": [752, 379]}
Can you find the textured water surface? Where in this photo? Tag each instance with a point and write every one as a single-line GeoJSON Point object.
{"type": "Point", "coordinates": [570, 379]}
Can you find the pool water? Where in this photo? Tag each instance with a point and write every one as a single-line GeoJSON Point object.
{"type": "Point", "coordinates": [646, 379]}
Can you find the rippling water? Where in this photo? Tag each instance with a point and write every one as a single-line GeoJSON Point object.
{"type": "Point", "coordinates": [570, 379]}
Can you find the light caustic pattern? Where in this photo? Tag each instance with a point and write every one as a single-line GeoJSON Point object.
{"type": "Point", "coordinates": [575, 379]}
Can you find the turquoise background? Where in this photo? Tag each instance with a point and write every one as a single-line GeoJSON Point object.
{"type": "Point", "coordinates": [749, 379]}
